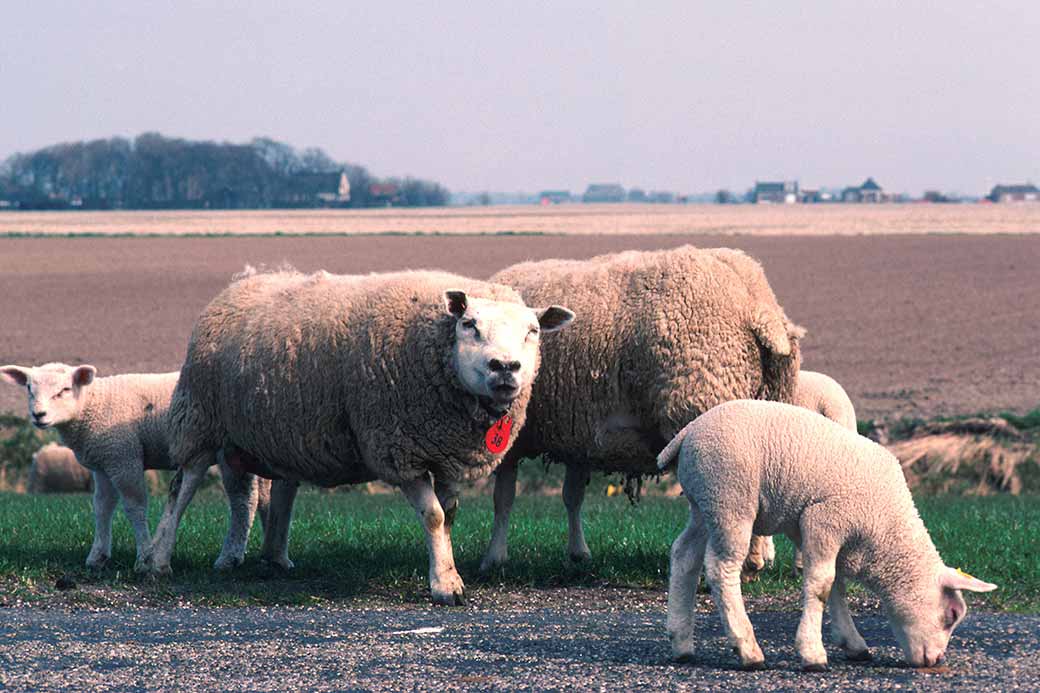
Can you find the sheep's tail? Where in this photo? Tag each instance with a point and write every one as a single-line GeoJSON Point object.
{"type": "Point", "coordinates": [778, 339]}
{"type": "Point", "coordinates": [666, 459]}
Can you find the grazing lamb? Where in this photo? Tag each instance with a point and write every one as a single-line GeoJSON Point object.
{"type": "Point", "coordinates": [661, 337]}
{"type": "Point", "coordinates": [54, 469]}
{"type": "Point", "coordinates": [420, 379]}
{"type": "Point", "coordinates": [116, 427]}
{"type": "Point", "coordinates": [766, 467]}
{"type": "Point", "coordinates": [822, 394]}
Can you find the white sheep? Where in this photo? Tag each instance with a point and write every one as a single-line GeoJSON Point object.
{"type": "Point", "coordinates": [824, 395]}
{"type": "Point", "coordinates": [54, 469]}
{"type": "Point", "coordinates": [420, 379]}
{"type": "Point", "coordinates": [766, 467]}
{"type": "Point", "coordinates": [660, 337]}
{"type": "Point", "coordinates": [116, 426]}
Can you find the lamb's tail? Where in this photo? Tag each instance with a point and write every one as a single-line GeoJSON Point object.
{"type": "Point", "coordinates": [667, 458]}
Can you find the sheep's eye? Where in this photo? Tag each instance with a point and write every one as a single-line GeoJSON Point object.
{"type": "Point", "coordinates": [66, 391]}
{"type": "Point", "coordinates": [472, 325]}
{"type": "Point", "coordinates": [532, 332]}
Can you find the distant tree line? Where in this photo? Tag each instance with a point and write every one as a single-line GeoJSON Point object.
{"type": "Point", "coordinates": [157, 172]}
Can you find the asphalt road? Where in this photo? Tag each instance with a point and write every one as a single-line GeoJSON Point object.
{"type": "Point", "coordinates": [577, 646]}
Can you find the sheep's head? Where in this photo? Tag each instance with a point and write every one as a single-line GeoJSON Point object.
{"type": "Point", "coordinates": [55, 390]}
{"type": "Point", "coordinates": [496, 343]}
{"type": "Point", "coordinates": [924, 623]}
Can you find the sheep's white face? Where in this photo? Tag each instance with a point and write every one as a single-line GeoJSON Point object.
{"type": "Point", "coordinates": [54, 390]}
{"type": "Point", "coordinates": [496, 343]}
{"type": "Point", "coordinates": [924, 628]}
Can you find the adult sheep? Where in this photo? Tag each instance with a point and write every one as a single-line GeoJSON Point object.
{"type": "Point", "coordinates": [54, 469]}
{"type": "Point", "coordinates": [661, 337]}
{"type": "Point", "coordinates": [116, 427]}
{"type": "Point", "coordinates": [420, 379]}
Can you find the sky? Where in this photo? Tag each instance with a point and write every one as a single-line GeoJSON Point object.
{"type": "Point", "coordinates": [685, 96]}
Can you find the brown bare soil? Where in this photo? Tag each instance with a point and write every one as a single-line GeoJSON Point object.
{"type": "Point", "coordinates": [919, 325]}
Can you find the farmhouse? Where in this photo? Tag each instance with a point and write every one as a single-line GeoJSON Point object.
{"type": "Point", "coordinates": [1015, 193]}
{"type": "Point", "coordinates": [313, 189]}
{"type": "Point", "coordinates": [604, 192]}
{"type": "Point", "coordinates": [870, 191]}
{"type": "Point", "coordinates": [782, 192]}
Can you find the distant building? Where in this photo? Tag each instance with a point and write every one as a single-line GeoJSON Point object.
{"type": "Point", "coordinates": [936, 197]}
{"type": "Point", "coordinates": [312, 189]}
{"type": "Point", "coordinates": [783, 192]}
{"type": "Point", "coordinates": [604, 192]}
{"type": "Point", "coordinates": [1015, 193]}
{"type": "Point", "coordinates": [386, 194]}
{"type": "Point", "coordinates": [661, 197]}
{"type": "Point", "coordinates": [869, 192]}
{"type": "Point", "coordinates": [636, 195]}
{"type": "Point", "coordinates": [553, 197]}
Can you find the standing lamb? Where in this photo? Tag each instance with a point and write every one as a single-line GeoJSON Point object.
{"type": "Point", "coordinates": [766, 467]}
{"type": "Point", "coordinates": [116, 426]}
{"type": "Point", "coordinates": [661, 337]}
{"type": "Point", "coordinates": [54, 469]}
{"type": "Point", "coordinates": [420, 379]}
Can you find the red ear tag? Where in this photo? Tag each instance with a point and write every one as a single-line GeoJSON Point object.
{"type": "Point", "coordinates": [497, 437]}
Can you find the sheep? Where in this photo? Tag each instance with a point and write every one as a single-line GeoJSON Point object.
{"type": "Point", "coordinates": [766, 467]}
{"type": "Point", "coordinates": [822, 394]}
{"type": "Point", "coordinates": [116, 426]}
{"type": "Point", "coordinates": [54, 469]}
{"type": "Point", "coordinates": [661, 337]}
{"type": "Point", "coordinates": [418, 378]}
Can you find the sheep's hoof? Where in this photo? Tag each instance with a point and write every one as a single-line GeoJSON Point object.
{"type": "Point", "coordinates": [225, 564]}
{"type": "Point", "coordinates": [580, 556]}
{"type": "Point", "coordinates": [684, 658]}
{"type": "Point", "coordinates": [456, 598]}
{"type": "Point", "coordinates": [141, 566]}
{"type": "Point", "coordinates": [97, 562]}
{"type": "Point", "coordinates": [753, 665]}
{"type": "Point", "coordinates": [159, 571]}
{"type": "Point", "coordinates": [283, 565]}
{"type": "Point", "coordinates": [814, 667]}
{"type": "Point", "coordinates": [860, 656]}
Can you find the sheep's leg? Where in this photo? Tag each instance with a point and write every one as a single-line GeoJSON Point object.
{"type": "Point", "coordinates": [760, 555]}
{"type": "Point", "coordinates": [241, 496]}
{"type": "Point", "coordinates": [723, 558]}
{"type": "Point", "coordinates": [446, 586]}
{"type": "Point", "coordinates": [263, 501]}
{"type": "Point", "coordinates": [574, 483]}
{"type": "Point", "coordinates": [843, 629]}
{"type": "Point", "coordinates": [505, 492]}
{"type": "Point", "coordinates": [817, 580]}
{"type": "Point", "coordinates": [183, 487]}
{"type": "Point", "coordinates": [133, 490]}
{"type": "Point", "coordinates": [105, 499]}
{"type": "Point", "coordinates": [448, 497]}
{"type": "Point", "coordinates": [796, 566]}
{"type": "Point", "coordinates": [279, 519]}
{"type": "Point", "coordinates": [684, 574]}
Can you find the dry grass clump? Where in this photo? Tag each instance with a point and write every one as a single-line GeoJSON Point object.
{"type": "Point", "coordinates": [978, 456]}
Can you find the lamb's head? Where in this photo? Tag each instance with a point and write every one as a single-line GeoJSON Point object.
{"type": "Point", "coordinates": [496, 343]}
{"type": "Point", "coordinates": [55, 390]}
{"type": "Point", "coordinates": [924, 622]}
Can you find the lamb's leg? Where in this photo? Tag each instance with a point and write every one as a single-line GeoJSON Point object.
{"type": "Point", "coordinates": [684, 574]}
{"type": "Point", "coordinates": [796, 565]}
{"type": "Point", "coordinates": [130, 483]}
{"type": "Point", "coordinates": [505, 492]}
{"type": "Point", "coordinates": [817, 578]}
{"type": "Point", "coordinates": [279, 519]}
{"type": "Point", "coordinates": [446, 586]}
{"type": "Point", "coordinates": [723, 558]}
{"type": "Point", "coordinates": [760, 555]}
{"type": "Point", "coordinates": [105, 499]}
{"type": "Point", "coordinates": [574, 483]}
{"type": "Point", "coordinates": [241, 497]}
{"type": "Point", "coordinates": [843, 629]}
{"type": "Point", "coordinates": [263, 501]}
{"type": "Point", "coordinates": [183, 487]}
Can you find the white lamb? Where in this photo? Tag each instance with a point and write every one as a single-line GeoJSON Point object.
{"type": "Point", "coordinates": [116, 426]}
{"type": "Point", "coordinates": [765, 467]}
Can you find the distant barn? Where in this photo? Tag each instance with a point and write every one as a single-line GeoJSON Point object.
{"type": "Point", "coordinates": [779, 192]}
{"type": "Point", "coordinates": [313, 189]}
{"type": "Point", "coordinates": [604, 192]}
{"type": "Point", "coordinates": [1015, 193]}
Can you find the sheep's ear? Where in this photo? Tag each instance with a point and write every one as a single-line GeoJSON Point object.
{"type": "Point", "coordinates": [957, 579]}
{"type": "Point", "coordinates": [15, 374]}
{"type": "Point", "coordinates": [554, 318]}
{"type": "Point", "coordinates": [83, 375]}
{"type": "Point", "coordinates": [455, 302]}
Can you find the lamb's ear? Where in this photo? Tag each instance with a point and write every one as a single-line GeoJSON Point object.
{"type": "Point", "coordinates": [15, 374]}
{"type": "Point", "coordinates": [83, 375]}
{"type": "Point", "coordinates": [554, 318]}
{"type": "Point", "coordinates": [455, 302]}
{"type": "Point", "coordinates": [957, 579]}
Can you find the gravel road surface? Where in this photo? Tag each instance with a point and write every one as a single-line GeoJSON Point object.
{"type": "Point", "coordinates": [570, 644]}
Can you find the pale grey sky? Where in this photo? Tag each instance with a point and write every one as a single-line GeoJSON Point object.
{"type": "Point", "coordinates": [683, 96]}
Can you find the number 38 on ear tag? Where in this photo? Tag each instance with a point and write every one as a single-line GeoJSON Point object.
{"type": "Point", "coordinates": [497, 437]}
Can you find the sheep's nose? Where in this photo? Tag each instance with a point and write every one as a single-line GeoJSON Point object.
{"type": "Point", "coordinates": [39, 415]}
{"type": "Point", "coordinates": [497, 366]}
